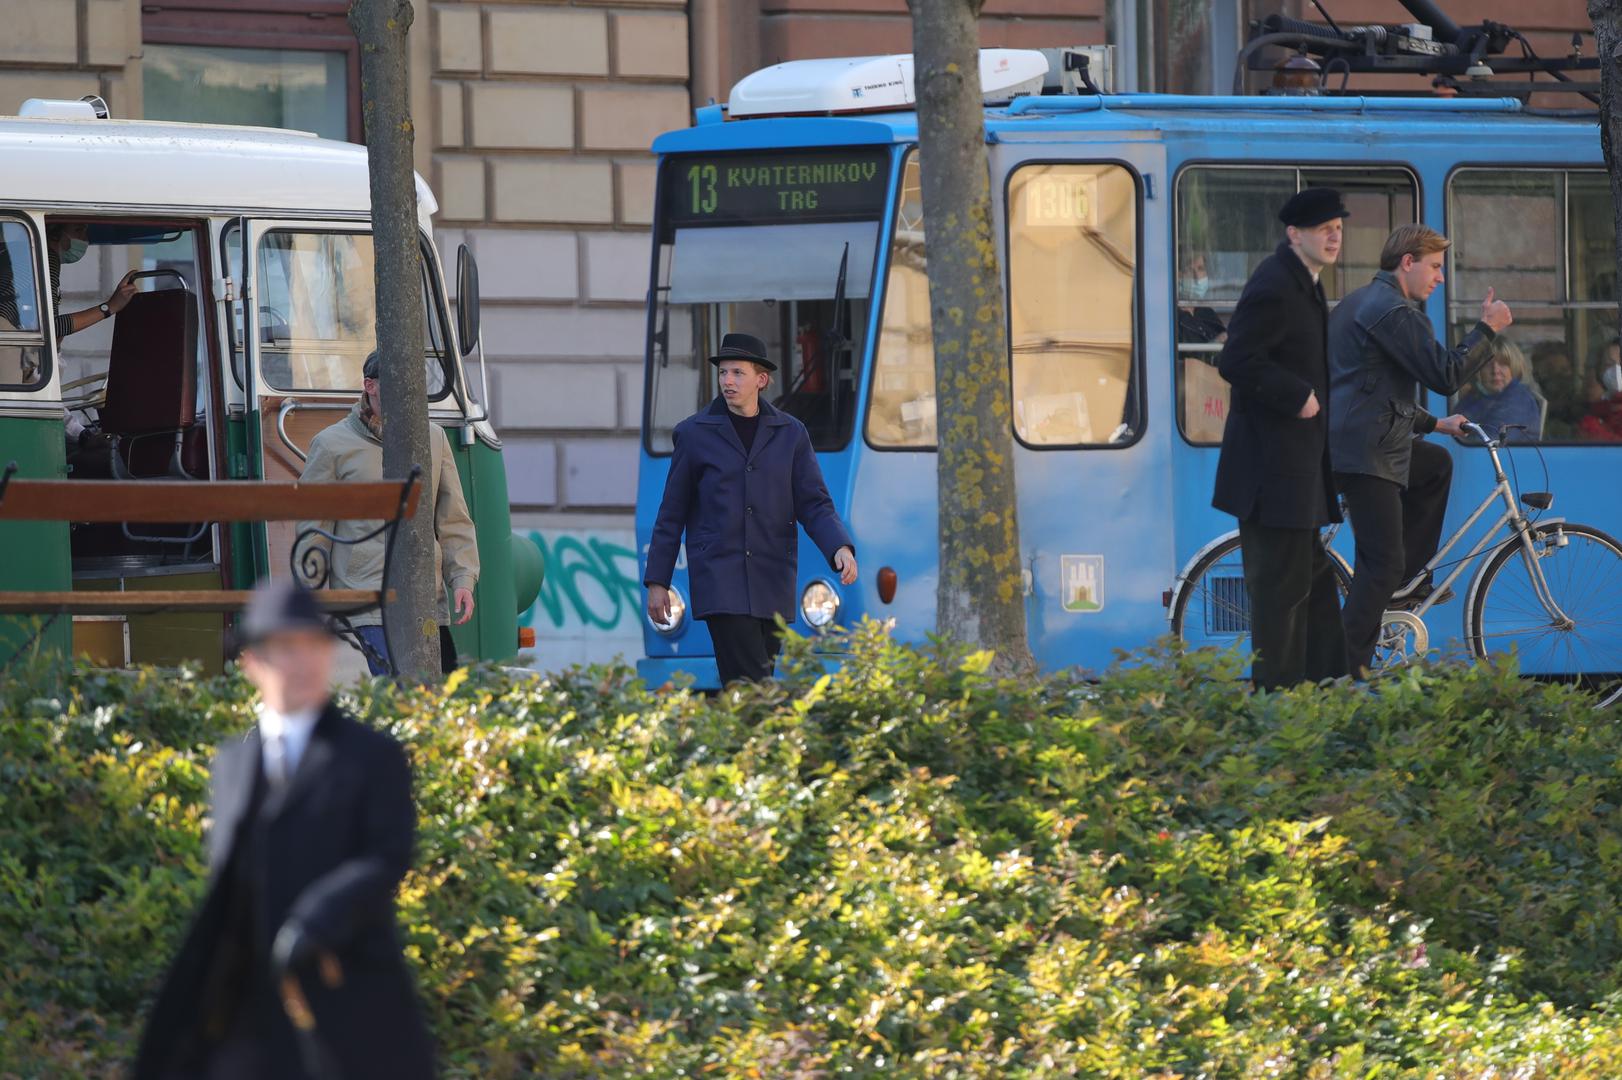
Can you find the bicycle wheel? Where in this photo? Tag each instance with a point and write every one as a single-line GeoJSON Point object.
{"type": "Point", "coordinates": [1213, 608]}
{"type": "Point", "coordinates": [1582, 568]}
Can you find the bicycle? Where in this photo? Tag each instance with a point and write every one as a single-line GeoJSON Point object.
{"type": "Point", "coordinates": [1551, 591]}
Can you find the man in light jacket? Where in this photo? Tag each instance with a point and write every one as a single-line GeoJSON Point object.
{"type": "Point", "coordinates": [743, 479]}
{"type": "Point", "coordinates": [352, 449]}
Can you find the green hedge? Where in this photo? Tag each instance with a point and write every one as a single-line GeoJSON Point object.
{"type": "Point", "coordinates": [908, 868]}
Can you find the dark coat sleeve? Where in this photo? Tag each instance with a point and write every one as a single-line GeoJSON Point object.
{"type": "Point", "coordinates": [1254, 336]}
{"type": "Point", "coordinates": [360, 890]}
{"type": "Point", "coordinates": [673, 510]}
{"type": "Point", "coordinates": [1405, 335]}
{"type": "Point", "coordinates": [813, 506]}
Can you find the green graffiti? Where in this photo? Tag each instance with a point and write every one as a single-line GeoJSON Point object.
{"type": "Point", "coordinates": [589, 579]}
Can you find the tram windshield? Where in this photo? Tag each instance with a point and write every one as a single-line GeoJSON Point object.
{"type": "Point", "coordinates": [780, 245]}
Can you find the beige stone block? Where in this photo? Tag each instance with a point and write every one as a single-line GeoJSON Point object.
{"type": "Point", "coordinates": [107, 33]}
{"type": "Point", "coordinates": [651, 43]}
{"type": "Point", "coordinates": [460, 188]}
{"type": "Point", "coordinates": [448, 114]}
{"type": "Point", "coordinates": [635, 181]}
{"type": "Point", "coordinates": [527, 264]}
{"type": "Point", "coordinates": [459, 38]}
{"type": "Point", "coordinates": [616, 266]}
{"type": "Point", "coordinates": [522, 116]}
{"type": "Point", "coordinates": [41, 33]}
{"type": "Point", "coordinates": [541, 41]}
{"type": "Point", "coordinates": [553, 190]}
{"type": "Point", "coordinates": [629, 119]}
{"type": "Point", "coordinates": [17, 87]}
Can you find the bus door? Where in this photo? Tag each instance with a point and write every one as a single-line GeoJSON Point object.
{"type": "Point", "coordinates": [1083, 225]}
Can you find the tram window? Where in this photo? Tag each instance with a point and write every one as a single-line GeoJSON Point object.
{"type": "Point", "coordinates": [23, 356]}
{"type": "Point", "coordinates": [1227, 222]}
{"type": "Point", "coordinates": [1072, 311]}
{"type": "Point", "coordinates": [317, 314]}
{"type": "Point", "coordinates": [901, 410]}
{"type": "Point", "coordinates": [754, 244]}
{"type": "Point", "coordinates": [1547, 250]}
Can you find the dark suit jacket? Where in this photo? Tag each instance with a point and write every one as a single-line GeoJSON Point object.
{"type": "Point", "coordinates": [1274, 469]}
{"type": "Point", "coordinates": [331, 848]}
{"type": "Point", "coordinates": [741, 513]}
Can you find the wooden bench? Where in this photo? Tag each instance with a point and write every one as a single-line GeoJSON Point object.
{"type": "Point", "coordinates": [185, 502]}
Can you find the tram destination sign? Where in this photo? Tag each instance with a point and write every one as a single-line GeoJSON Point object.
{"type": "Point", "coordinates": [776, 187]}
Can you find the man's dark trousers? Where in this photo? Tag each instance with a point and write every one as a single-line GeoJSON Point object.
{"type": "Point", "coordinates": [745, 647]}
{"type": "Point", "coordinates": [1397, 530]}
{"type": "Point", "coordinates": [1295, 628]}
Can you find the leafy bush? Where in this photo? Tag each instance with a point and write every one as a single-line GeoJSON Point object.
{"type": "Point", "coordinates": [905, 868]}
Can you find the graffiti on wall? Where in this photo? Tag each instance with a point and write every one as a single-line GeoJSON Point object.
{"type": "Point", "coordinates": [590, 606]}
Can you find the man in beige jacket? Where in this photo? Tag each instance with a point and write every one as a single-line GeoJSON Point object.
{"type": "Point", "coordinates": [352, 449]}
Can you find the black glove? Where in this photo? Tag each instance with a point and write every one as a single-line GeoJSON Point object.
{"type": "Point", "coordinates": [295, 949]}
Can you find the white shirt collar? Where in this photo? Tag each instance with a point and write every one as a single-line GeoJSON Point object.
{"type": "Point", "coordinates": [293, 728]}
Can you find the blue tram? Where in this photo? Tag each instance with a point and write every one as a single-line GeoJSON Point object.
{"type": "Point", "coordinates": [1127, 227]}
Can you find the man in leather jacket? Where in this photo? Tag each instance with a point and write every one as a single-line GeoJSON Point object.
{"type": "Point", "coordinates": [1395, 485]}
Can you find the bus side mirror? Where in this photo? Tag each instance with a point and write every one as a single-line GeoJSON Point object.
{"type": "Point", "coordinates": [467, 300]}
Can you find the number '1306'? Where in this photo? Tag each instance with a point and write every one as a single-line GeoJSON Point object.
{"type": "Point", "coordinates": [702, 178]}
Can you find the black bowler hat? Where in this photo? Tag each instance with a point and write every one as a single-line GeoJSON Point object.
{"type": "Point", "coordinates": [743, 347]}
{"type": "Point", "coordinates": [280, 607]}
{"type": "Point", "coordinates": [1313, 206]}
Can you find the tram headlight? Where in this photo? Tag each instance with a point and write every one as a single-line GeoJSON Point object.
{"type": "Point", "coordinates": [678, 614]}
{"type": "Point", "coordinates": [819, 604]}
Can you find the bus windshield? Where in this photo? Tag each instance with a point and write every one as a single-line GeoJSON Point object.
{"type": "Point", "coordinates": [780, 245]}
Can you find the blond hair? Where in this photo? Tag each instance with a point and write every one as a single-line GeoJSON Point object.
{"type": "Point", "coordinates": [1509, 354]}
{"type": "Point", "coordinates": [1416, 240]}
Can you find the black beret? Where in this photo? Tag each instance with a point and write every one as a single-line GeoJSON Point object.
{"type": "Point", "coordinates": [1312, 206]}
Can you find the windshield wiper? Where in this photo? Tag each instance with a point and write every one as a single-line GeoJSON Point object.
{"type": "Point", "coordinates": [836, 340]}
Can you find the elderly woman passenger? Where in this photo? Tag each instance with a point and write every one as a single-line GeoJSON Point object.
{"type": "Point", "coordinates": [1501, 396]}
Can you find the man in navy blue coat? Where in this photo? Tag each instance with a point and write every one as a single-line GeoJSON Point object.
{"type": "Point", "coordinates": [742, 479]}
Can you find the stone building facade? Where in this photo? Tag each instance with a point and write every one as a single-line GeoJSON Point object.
{"type": "Point", "coordinates": [534, 120]}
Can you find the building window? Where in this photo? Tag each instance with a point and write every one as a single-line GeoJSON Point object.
{"type": "Point", "coordinates": [1543, 240]}
{"type": "Point", "coordinates": [1227, 222]}
{"type": "Point", "coordinates": [1072, 304]}
{"type": "Point", "coordinates": [272, 63]}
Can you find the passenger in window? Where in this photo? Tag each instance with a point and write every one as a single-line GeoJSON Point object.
{"type": "Point", "coordinates": [1556, 379]}
{"type": "Point", "coordinates": [1603, 420]}
{"type": "Point", "coordinates": [1502, 399]}
{"type": "Point", "coordinates": [67, 243]}
{"type": "Point", "coordinates": [1196, 324]}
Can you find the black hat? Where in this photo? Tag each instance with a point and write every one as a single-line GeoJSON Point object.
{"type": "Point", "coordinates": [743, 347]}
{"type": "Point", "coordinates": [369, 369]}
{"type": "Point", "coordinates": [1313, 206]}
{"type": "Point", "coordinates": [279, 607]}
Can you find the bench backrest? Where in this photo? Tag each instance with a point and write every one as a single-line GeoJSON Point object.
{"type": "Point", "coordinates": [168, 501]}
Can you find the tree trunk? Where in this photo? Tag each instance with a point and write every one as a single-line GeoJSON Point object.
{"type": "Point", "coordinates": [980, 598]}
{"type": "Point", "coordinates": [412, 620]}
{"type": "Point", "coordinates": [1607, 18]}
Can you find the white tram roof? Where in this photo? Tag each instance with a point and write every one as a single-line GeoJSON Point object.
{"type": "Point", "coordinates": [60, 163]}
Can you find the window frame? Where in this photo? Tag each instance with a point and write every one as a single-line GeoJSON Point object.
{"type": "Point", "coordinates": [301, 25]}
{"type": "Point", "coordinates": [43, 302]}
{"type": "Point", "coordinates": [433, 300]}
{"type": "Point", "coordinates": [1177, 239]}
{"type": "Point", "coordinates": [1137, 387]}
{"type": "Point", "coordinates": [1448, 302]}
{"type": "Point", "coordinates": [882, 224]}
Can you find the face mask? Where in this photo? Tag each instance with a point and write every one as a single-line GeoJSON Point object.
{"type": "Point", "coordinates": [1195, 288]}
{"type": "Point", "coordinates": [75, 250]}
{"type": "Point", "coordinates": [1611, 379]}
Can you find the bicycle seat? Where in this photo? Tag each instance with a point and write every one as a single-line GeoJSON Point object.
{"type": "Point", "coordinates": [1538, 500]}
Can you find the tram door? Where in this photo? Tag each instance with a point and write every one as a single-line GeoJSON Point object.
{"type": "Point", "coordinates": [1086, 244]}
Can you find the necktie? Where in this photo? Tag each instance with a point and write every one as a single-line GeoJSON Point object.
{"type": "Point", "coordinates": [276, 759]}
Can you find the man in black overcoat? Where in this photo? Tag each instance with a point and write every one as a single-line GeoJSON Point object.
{"type": "Point", "coordinates": [1274, 473]}
{"type": "Point", "coordinates": [312, 832]}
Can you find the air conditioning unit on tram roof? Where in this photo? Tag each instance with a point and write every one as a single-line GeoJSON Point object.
{"type": "Point", "coordinates": [872, 84]}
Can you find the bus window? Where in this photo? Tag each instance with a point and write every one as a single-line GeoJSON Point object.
{"type": "Point", "coordinates": [317, 313]}
{"type": "Point", "coordinates": [1558, 371]}
{"type": "Point", "coordinates": [1072, 272]}
{"type": "Point", "coordinates": [1227, 222]}
{"type": "Point", "coordinates": [780, 245]}
{"type": "Point", "coordinates": [901, 410]}
{"type": "Point", "coordinates": [23, 356]}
